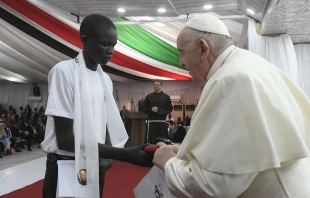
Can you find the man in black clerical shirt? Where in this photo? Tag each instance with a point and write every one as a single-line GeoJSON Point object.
{"type": "Point", "coordinates": [157, 106]}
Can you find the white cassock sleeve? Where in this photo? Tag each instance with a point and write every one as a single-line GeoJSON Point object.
{"type": "Point", "coordinates": [188, 179]}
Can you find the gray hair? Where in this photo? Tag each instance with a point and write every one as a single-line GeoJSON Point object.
{"type": "Point", "coordinates": [217, 41]}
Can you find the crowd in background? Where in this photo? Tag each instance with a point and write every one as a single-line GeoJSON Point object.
{"type": "Point", "coordinates": [20, 129]}
{"type": "Point", "coordinates": [177, 129]}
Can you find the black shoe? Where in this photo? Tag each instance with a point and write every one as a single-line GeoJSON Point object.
{"type": "Point", "coordinates": [1, 156]}
{"type": "Point", "coordinates": [29, 149]}
{"type": "Point", "coordinates": [17, 150]}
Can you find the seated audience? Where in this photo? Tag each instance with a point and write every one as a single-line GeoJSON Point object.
{"type": "Point", "coordinates": [40, 127]}
{"type": "Point", "coordinates": [179, 134]}
{"type": "Point", "coordinates": [29, 133]}
{"type": "Point", "coordinates": [5, 137]}
{"type": "Point", "coordinates": [1, 149]}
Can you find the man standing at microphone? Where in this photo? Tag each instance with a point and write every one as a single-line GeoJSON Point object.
{"type": "Point", "coordinates": [157, 106]}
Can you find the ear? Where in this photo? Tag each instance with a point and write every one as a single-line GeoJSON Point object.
{"type": "Point", "coordinates": [204, 48]}
{"type": "Point", "coordinates": [84, 39]}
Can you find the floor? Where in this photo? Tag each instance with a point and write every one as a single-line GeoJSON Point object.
{"type": "Point", "coordinates": [9, 161]}
{"type": "Point", "coordinates": [22, 174]}
{"type": "Point", "coordinates": [21, 169]}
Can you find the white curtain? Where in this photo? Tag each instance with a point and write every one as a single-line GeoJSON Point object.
{"type": "Point", "coordinates": [189, 95]}
{"type": "Point", "coordinates": [277, 50]}
{"type": "Point", "coordinates": [17, 95]}
{"type": "Point", "coordinates": [129, 99]}
{"type": "Point", "coordinates": [303, 60]}
{"type": "Point", "coordinates": [124, 93]}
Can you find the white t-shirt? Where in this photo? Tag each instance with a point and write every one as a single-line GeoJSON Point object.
{"type": "Point", "coordinates": [61, 101]}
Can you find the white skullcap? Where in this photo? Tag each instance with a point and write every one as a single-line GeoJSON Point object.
{"type": "Point", "coordinates": [208, 23]}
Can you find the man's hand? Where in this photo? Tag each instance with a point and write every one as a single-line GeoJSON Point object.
{"type": "Point", "coordinates": [163, 154]}
{"type": "Point", "coordinates": [137, 156]}
{"type": "Point", "coordinates": [154, 109]}
{"type": "Point", "coordinates": [174, 147]}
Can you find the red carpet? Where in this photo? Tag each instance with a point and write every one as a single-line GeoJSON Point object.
{"type": "Point", "coordinates": [120, 181]}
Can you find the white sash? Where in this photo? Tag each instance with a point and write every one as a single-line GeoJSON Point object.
{"type": "Point", "coordinates": [86, 143]}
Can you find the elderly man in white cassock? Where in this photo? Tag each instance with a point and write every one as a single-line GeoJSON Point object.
{"type": "Point", "coordinates": [250, 133]}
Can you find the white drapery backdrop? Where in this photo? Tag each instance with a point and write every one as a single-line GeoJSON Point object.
{"type": "Point", "coordinates": [189, 95]}
{"type": "Point", "coordinates": [25, 58]}
{"type": "Point", "coordinates": [124, 93]}
{"type": "Point", "coordinates": [17, 95]}
{"type": "Point", "coordinates": [277, 50]}
{"type": "Point", "coordinates": [303, 60]}
{"type": "Point", "coordinates": [129, 99]}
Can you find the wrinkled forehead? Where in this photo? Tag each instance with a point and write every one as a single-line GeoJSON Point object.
{"type": "Point", "coordinates": [180, 39]}
{"type": "Point", "coordinates": [183, 41]}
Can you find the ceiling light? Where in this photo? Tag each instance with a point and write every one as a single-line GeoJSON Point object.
{"type": "Point", "coordinates": [13, 79]}
{"type": "Point", "coordinates": [250, 11]}
{"type": "Point", "coordinates": [121, 10]}
{"type": "Point", "coordinates": [207, 7]}
{"type": "Point", "coordinates": [10, 78]}
{"type": "Point", "coordinates": [161, 10]}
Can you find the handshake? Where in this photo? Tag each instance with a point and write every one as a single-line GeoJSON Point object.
{"type": "Point", "coordinates": [147, 155]}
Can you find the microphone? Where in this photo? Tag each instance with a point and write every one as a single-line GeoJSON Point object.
{"type": "Point", "coordinates": [135, 107]}
{"type": "Point", "coordinates": [150, 149]}
{"type": "Point", "coordinates": [132, 105]}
